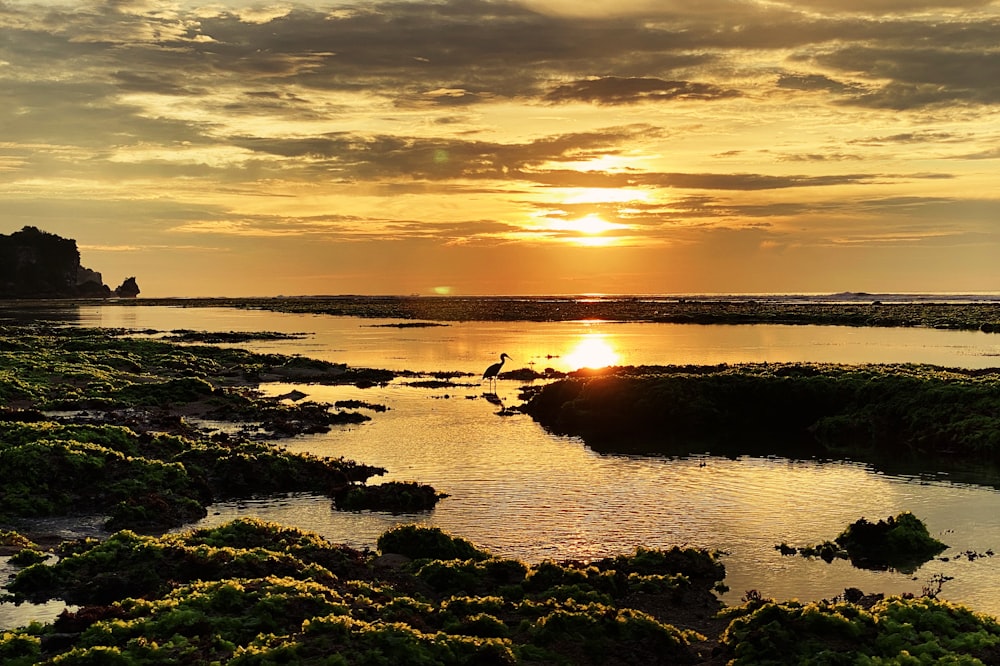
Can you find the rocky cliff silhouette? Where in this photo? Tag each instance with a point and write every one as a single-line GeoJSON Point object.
{"type": "Point", "coordinates": [37, 264]}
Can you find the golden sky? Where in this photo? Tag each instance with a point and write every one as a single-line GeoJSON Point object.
{"type": "Point", "coordinates": [508, 146]}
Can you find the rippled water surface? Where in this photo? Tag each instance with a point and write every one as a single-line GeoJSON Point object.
{"type": "Point", "coordinates": [519, 491]}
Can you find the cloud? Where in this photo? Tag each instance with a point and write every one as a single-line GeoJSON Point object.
{"type": "Point", "coordinates": [472, 52]}
{"type": "Point", "coordinates": [918, 77]}
{"type": "Point", "coordinates": [712, 181]}
{"type": "Point", "coordinates": [675, 8]}
{"type": "Point", "coordinates": [909, 138]}
{"type": "Point", "coordinates": [882, 7]}
{"type": "Point", "coordinates": [353, 155]}
{"type": "Point", "coordinates": [816, 82]}
{"type": "Point", "coordinates": [344, 228]}
{"type": "Point", "coordinates": [458, 121]}
{"type": "Point", "coordinates": [620, 90]}
{"type": "Point", "coordinates": [110, 248]}
{"type": "Point", "coordinates": [988, 154]}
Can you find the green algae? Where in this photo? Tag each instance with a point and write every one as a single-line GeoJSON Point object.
{"type": "Point", "coordinates": [48, 368]}
{"type": "Point", "coordinates": [146, 481]}
{"type": "Point", "coordinates": [27, 556]}
{"type": "Point", "coordinates": [422, 542]}
{"type": "Point", "coordinates": [892, 631]}
{"type": "Point", "coordinates": [899, 542]}
{"type": "Point", "coordinates": [128, 445]}
{"type": "Point", "coordinates": [12, 542]}
{"type": "Point", "coordinates": [250, 592]}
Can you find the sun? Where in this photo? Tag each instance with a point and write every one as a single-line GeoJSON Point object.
{"type": "Point", "coordinates": [589, 230]}
{"type": "Point", "coordinates": [594, 350]}
{"type": "Point", "coordinates": [593, 225]}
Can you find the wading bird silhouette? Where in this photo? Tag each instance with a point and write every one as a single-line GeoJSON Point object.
{"type": "Point", "coordinates": [494, 370]}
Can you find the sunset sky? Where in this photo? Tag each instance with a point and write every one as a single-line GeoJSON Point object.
{"type": "Point", "coordinates": [508, 147]}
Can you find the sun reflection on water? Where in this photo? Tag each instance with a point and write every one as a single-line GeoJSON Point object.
{"type": "Point", "coordinates": [594, 350]}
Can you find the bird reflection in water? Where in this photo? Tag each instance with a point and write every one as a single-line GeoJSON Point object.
{"type": "Point", "coordinates": [495, 399]}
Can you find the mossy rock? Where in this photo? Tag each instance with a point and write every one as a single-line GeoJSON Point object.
{"type": "Point", "coordinates": [250, 592]}
{"type": "Point", "coordinates": [892, 631]}
{"type": "Point", "coordinates": [420, 542]}
{"type": "Point", "coordinates": [901, 542]}
{"type": "Point", "coordinates": [27, 557]}
{"type": "Point", "coordinates": [154, 512]}
{"type": "Point", "coordinates": [890, 415]}
{"type": "Point", "coordinates": [392, 496]}
{"type": "Point", "coordinates": [144, 481]}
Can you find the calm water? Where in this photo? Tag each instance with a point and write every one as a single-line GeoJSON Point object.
{"type": "Point", "coordinates": [522, 492]}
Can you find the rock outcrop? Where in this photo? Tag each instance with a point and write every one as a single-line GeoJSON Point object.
{"type": "Point", "coordinates": [90, 284]}
{"type": "Point", "coordinates": [128, 289]}
{"type": "Point", "coordinates": [38, 264]}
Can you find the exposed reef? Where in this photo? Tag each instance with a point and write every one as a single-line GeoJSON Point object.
{"type": "Point", "coordinates": [93, 420]}
{"type": "Point", "coordinates": [884, 414]}
{"type": "Point", "coordinates": [250, 592]}
{"type": "Point", "coordinates": [147, 481]}
{"type": "Point", "coordinates": [835, 310]}
{"type": "Point", "coordinates": [107, 376]}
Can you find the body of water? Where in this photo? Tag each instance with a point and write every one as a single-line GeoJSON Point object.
{"type": "Point", "coordinates": [521, 492]}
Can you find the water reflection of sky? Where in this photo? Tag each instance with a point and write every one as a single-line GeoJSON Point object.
{"type": "Point", "coordinates": [564, 346]}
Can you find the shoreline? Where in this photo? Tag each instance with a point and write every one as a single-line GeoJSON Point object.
{"type": "Point", "coordinates": [899, 312]}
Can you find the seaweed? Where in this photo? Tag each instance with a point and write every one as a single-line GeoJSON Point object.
{"type": "Point", "coordinates": [12, 542]}
{"type": "Point", "coordinates": [130, 448]}
{"type": "Point", "coordinates": [901, 542]}
{"type": "Point", "coordinates": [250, 592]}
{"type": "Point", "coordinates": [147, 482]}
{"type": "Point", "coordinates": [892, 631]}
{"type": "Point", "coordinates": [136, 381]}
{"type": "Point", "coordinates": [420, 542]}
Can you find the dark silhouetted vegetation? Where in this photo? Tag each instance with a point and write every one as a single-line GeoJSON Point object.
{"type": "Point", "coordinates": [880, 413]}
{"type": "Point", "coordinates": [901, 543]}
{"type": "Point", "coordinates": [392, 496]}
